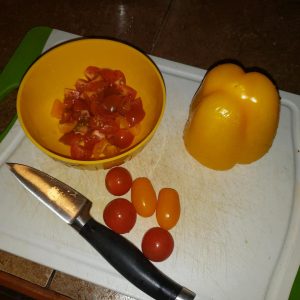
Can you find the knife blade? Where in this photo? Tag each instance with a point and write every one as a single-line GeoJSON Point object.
{"type": "Point", "coordinates": [74, 208]}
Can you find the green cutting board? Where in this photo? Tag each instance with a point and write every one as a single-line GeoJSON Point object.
{"type": "Point", "coordinates": [28, 51]}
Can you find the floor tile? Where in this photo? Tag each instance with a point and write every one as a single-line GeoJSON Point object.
{"type": "Point", "coordinates": [24, 269]}
{"type": "Point", "coordinates": [262, 34]}
{"type": "Point", "coordinates": [79, 289]}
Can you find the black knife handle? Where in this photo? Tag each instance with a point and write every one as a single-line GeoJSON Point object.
{"type": "Point", "coordinates": [131, 263]}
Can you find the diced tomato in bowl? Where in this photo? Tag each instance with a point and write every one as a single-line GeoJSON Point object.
{"type": "Point", "coordinates": [92, 81]}
{"type": "Point", "coordinates": [96, 106]}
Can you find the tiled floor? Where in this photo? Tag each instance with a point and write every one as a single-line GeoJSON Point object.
{"type": "Point", "coordinates": [53, 280]}
{"type": "Point", "coordinates": [24, 269]}
{"type": "Point", "coordinates": [260, 33]}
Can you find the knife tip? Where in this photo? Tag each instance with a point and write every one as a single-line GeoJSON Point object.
{"type": "Point", "coordinates": [10, 165]}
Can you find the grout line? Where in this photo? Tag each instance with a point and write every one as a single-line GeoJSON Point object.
{"type": "Point", "coordinates": [50, 279]}
{"type": "Point", "coordinates": [164, 21]}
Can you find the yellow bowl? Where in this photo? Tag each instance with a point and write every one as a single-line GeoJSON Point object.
{"type": "Point", "coordinates": [60, 67]}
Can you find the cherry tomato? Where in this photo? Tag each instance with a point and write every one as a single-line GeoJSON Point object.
{"type": "Point", "coordinates": [118, 181]}
{"type": "Point", "coordinates": [122, 138]}
{"type": "Point", "coordinates": [143, 196]}
{"type": "Point", "coordinates": [119, 215]}
{"type": "Point", "coordinates": [157, 244]}
{"type": "Point", "coordinates": [167, 208]}
{"type": "Point", "coordinates": [136, 113]}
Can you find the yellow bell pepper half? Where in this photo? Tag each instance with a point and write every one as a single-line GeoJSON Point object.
{"type": "Point", "coordinates": [233, 117]}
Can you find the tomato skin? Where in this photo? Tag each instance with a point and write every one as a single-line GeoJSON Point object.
{"type": "Point", "coordinates": [168, 208]}
{"type": "Point", "coordinates": [118, 181]}
{"type": "Point", "coordinates": [79, 105]}
{"type": "Point", "coordinates": [79, 152]}
{"type": "Point", "coordinates": [91, 72]}
{"type": "Point", "coordinates": [70, 138]}
{"type": "Point", "coordinates": [122, 138]}
{"type": "Point", "coordinates": [57, 109]}
{"type": "Point", "coordinates": [127, 91]}
{"type": "Point", "coordinates": [143, 196]}
{"type": "Point", "coordinates": [113, 76]}
{"type": "Point", "coordinates": [136, 113]}
{"type": "Point", "coordinates": [104, 124]}
{"type": "Point", "coordinates": [111, 103]}
{"type": "Point", "coordinates": [119, 215]}
{"type": "Point", "coordinates": [157, 244]}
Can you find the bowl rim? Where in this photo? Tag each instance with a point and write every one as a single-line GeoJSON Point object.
{"type": "Point", "coordinates": [124, 154]}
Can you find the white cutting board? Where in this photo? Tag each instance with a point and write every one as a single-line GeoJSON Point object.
{"type": "Point", "coordinates": [239, 233]}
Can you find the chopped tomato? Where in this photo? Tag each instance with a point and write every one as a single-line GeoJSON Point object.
{"type": "Point", "coordinates": [71, 94]}
{"type": "Point", "coordinates": [67, 117]}
{"type": "Point", "coordinates": [111, 103]}
{"type": "Point", "coordinates": [128, 91]}
{"type": "Point", "coordinates": [104, 124]}
{"type": "Point", "coordinates": [80, 104]}
{"type": "Point", "coordinates": [110, 150]}
{"type": "Point", "coordinates": [136, 113]}
{"type": "Point", "coordinates": [113, 76]}
{"type": "Point", "coordinates": [80, 152]}
{"type": "Point", "coordinates": [122, 122]}
{"type": "Point", "coordinates": [99, 117]}
{"type": "Point", "coordinates": [57, 109]}
{"type": "Point", "coordinates": [70, 138]}
{"type": "Point", "coordinates": [81, 84]}
{"type": "Point", "coordinates": [66, 127]}
{"type": "Point", "coordinates": [96, 85]}
{"type": "Point", "coordinates": [91, 72]}
{"type": "Point", "coordinates": [99, 148]}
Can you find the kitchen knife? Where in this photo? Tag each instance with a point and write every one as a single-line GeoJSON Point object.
{"type": "Point", "coordinates": [74, 209]}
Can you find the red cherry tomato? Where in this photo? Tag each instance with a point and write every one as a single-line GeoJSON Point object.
{"type": "Point", "coordinates": [122, 138]}
{"type": "Point", "coordinates": [136, 113]}
{"type": "Point", "coordinates": [157, 244]}
{"type": "Point", "coordinates": [118, 181]}
{"type": "Point", "coordinates": [119, 215]}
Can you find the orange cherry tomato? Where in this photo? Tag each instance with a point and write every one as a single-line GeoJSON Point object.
{"type": "Point", "coordinates": [167, 208]}
{"type": "Point", "coordinates": [143, 197]}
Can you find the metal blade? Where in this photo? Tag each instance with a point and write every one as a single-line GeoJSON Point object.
{"type": "Point", "coordinates": [63, 200]}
